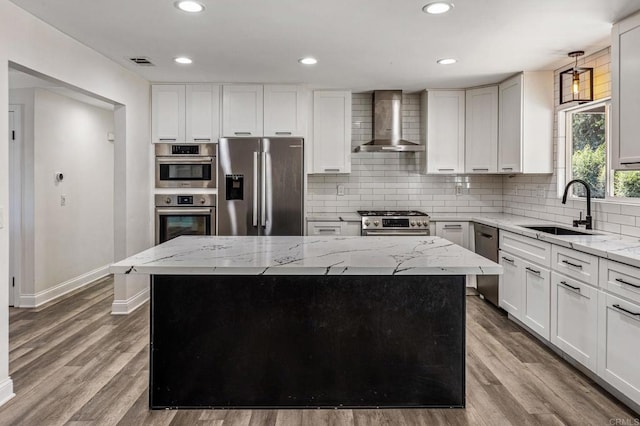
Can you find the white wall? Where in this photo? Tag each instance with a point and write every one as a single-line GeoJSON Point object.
{"type": "Point", "coordinates": [71, 240]}
{"type": "Point", "coordinates": [29, 42]}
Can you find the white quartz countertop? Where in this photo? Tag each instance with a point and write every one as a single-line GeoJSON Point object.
{"type": "Point", "coordinates": [603, 244]}
{"type": "Point", "coordinates": [326, 255]}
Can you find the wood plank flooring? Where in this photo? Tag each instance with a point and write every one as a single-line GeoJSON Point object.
{"type": "Point", "coordinates": [73, 363]}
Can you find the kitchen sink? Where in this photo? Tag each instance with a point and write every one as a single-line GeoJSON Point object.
{"type": "Point", "coordinates": [557, 230]}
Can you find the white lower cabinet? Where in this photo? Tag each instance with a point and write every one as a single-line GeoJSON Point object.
{"type": "Point", "coordinates": [536, 297]}
{"type": "Point", "coordinates": [510, 284]}
{"type": "Point", "coordinates": [456, 232]}
{"type": "Point", "coordinates": [574, 319]}
{"type": "Point", "coordinates": [317, 228]}
{"type": "Point", "coordinates": [619, 344]}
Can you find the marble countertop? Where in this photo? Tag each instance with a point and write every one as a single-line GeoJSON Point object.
{"type": "Point", "coordinates": [603, 244]}
{"type": "Point", "coordinates": [326, 255]}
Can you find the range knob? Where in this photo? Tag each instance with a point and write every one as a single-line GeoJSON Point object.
{"type": "Point", "coordinates": [202, 200]}
{"type": "Point", "coordinates": [167, 200]}
{"type": "Point", "coordinates": [413, 223]}
{"type": "Point", "coordinates": [418, 223]}
{"type": "Point", "coordinates": [376, 223]}
{"type": "Point", "coordinates": [425, 223]}
{"type": "Point", "coordinates": [367, 223]}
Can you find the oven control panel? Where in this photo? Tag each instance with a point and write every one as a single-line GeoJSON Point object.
{"type": "Point", "coordinates": [395, 222]}
{"type": "Point", "coordinates": [170, 200]}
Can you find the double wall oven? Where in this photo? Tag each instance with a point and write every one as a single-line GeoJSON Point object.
{"type": "Point", "coordinates": [189, 170]}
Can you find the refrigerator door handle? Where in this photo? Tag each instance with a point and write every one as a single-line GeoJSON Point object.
{"type": "Point", "coordinates": [263, 206]}
{"type": "Point", "coordinates": [255, 189]}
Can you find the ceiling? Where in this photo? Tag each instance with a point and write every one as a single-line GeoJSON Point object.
{"type": "Point", "coordinates": [360, 44]}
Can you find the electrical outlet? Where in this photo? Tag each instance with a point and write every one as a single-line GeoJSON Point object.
{"type": "Point", "coordinates": [458, 189]}
{"type": "Point", "coordinates": [340, 190]}
{"type": "Point", "coordinates": [63, 200]}
{"type": "Point", "coordinates": [516, 189]}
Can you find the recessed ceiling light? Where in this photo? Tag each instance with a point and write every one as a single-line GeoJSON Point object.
{"type": "Point", "coordinates": [183, 60]}
{"type": "Point", "coordinates": [189, 6]}
{"type": "Point", "coordinates": [447, 61]}
{"type": "Point", "coordinates": [308, 60]}
{"type": "Point", "coordinates": [437, 8]}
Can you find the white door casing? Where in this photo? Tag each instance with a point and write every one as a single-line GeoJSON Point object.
{"type": "Point", "coordinates": [15, 203]}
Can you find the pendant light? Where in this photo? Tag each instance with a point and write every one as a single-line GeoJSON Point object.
{"type": "Point", "coordinates": [576, 84]}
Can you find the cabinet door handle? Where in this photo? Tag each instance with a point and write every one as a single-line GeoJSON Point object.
{"type": "Point", "coordinates": [202, 139]}
{"type": "Point", "coordinates": [572, 264]}
{"type": "Point", "coordinates": [446, 170]}
{"type": "Point", "coordinates": [507, 168]}
{"type": "Point", "coordinates": [480, 170]}
{"type": "Point", "coordinates": [242, 133]}
{"type": "Point", "coordinates": [453, 226]}
{"type": "Point", "coordinates": [630, 162]}
{"type": "Point", "coordinates": [533, 270]}
{"type": "Point", "coordinates": [331, 170]}
{"type": "Point", "coordinates": [168, 139]}
{"type": "Point", "coordinates": [620, 280]}
{"type": "Point", "coordinates": [620, 308]}
{"type": "Point", "coordinates": [283, 133]}
{"type": "Point", "coordinates": [508, 260]}
{"type": "Point", "coordinates": [564, 283]}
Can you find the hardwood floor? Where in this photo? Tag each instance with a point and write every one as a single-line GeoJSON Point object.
{"type": "Point", "coordinates": [74, 363]}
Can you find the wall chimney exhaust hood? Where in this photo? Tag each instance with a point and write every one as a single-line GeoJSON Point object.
{"type": "Point", "coordinates": [387, 125]}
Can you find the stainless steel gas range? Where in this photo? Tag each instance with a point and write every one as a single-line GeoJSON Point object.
{"type": "Point", "coordinates": [388, 222]}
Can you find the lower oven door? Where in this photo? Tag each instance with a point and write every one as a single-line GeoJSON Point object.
{"type": "Point", "coordinates": [173, 222]}
{"type": "Point", "coordinates": [396, 232]}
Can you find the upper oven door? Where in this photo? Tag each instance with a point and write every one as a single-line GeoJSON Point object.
{"type": "Point", "coordinates": [185, 172]}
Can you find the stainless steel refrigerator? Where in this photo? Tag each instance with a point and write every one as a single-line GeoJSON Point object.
{"type": "Point", "coordinates": [260, 186]}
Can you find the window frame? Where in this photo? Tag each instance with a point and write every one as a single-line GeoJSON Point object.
{"type": "Point", "coordinates": [568, 153]}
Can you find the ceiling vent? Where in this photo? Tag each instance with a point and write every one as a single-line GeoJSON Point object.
{"type": "Point", "coordinates": [143, 61]}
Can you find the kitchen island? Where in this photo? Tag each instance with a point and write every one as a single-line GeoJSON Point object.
{"type": "Point", "coordinates": [307, 321]}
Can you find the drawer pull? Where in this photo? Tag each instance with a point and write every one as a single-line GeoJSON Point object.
{"type": "Point", "coordinates": [533, 270]}
{"type": "Point", "coordinates": [572, 264]}
{"type": "Point", "coordinates": [620, 308]}
{"type": "Point", "coordinates": [453, 226]}
{"type": "Point", "coordinates": [620, 280]}
{"type": "Point", "coordinates": [331, 170]}
{"type": "Point", "coordinates": [507, 259]}
{"type": "Point", "coordinates": [564, 283]}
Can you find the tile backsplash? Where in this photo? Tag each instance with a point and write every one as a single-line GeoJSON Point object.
{"type": "Point", "coordinates": [391, 180]}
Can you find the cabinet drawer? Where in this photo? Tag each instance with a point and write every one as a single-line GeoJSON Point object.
{"type": "Point", "coordinates": [324, 228]}
{"type": "Point", "coordinates": [619, 344]}
{"type": "Point", "coordinates": [574, 319]}
{"type": "Point", "coordinates": [527, 248]}
{"type": "Point", "coordinates": [620, 279]}
{"type": "Point", "coordinates": [581, 266]}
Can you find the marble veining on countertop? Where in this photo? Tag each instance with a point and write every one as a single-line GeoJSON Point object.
{"type": "Point", "coordinates": [325, 255]}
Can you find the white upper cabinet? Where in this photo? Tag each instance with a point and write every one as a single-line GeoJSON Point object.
{"type": "Point", "coordinates": [525, 123]}
{"type": "Point", "coordinates": [625, 85]}
{"type": "Point", "coordinates": [167, 113]}
{"type": "Point", "coordinates": [331, 132]}
{"type": "Point", "coordinates": [481, 130]}
{"type": "Point", "coordinates": [242, 110]}
{"type": "Point", "coordinates": [185, 113]}
{"type": "Point", "coordinates": [202, 113]}
{"type": "Point", "coordinates": [285, 111]}
{"type": "Point", "coordinates": [445, 122]}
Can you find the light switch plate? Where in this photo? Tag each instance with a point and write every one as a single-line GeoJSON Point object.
{"type": "Point", "coordinates": [340, 189]}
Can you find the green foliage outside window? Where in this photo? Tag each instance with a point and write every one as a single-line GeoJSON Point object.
{"type": "Point", "coordinates": [589, 159]}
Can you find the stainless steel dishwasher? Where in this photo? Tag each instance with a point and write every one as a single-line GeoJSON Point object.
{"type": "Point", "coordinates": [486, 243]}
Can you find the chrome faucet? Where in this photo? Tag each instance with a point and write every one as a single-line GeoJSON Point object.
{"type": "Point", "coordinates": [587, 220]}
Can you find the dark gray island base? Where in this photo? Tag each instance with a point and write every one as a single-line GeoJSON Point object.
{"type": "Point", "coordinates": [291, 341]}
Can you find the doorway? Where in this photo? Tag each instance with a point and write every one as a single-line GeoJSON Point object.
{"type": "Point", "coordinates": [15, 203]}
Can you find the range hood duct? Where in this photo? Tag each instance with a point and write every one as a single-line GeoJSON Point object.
{"type": "Point", "coordinates": [387, 125]}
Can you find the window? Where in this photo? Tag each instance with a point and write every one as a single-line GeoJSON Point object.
{"type": "Point", "coordinates": [587, 156]}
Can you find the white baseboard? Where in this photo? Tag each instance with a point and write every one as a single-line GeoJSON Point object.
{"type": "Point", "coordinates": [38, 299]}
{"type": "Point", "coordinates": [6, 391]}
{"type": "Point", "coordinates": [125, 307]}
